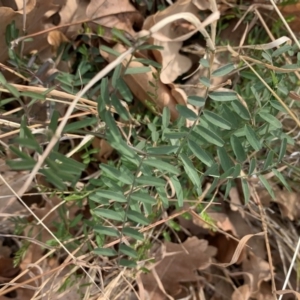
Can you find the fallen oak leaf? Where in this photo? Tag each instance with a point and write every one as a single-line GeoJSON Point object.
{"type": "Point", "coordinates": [114, 14]}
{"type": "Point", "coordinates": [178, 264]}
{"type": "Point", "coordinates": [173, 63]}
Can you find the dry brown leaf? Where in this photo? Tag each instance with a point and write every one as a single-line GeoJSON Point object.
{"type": "Point", "coordinates": [35, 21]}
{"type": "Point", "coordinates": [289, 204]}
{"type": "Point", "coordinates": [105, 149]}
{"type": "Point", "coordinates": [259, 270]}
{"type": "Point", "coordinates": [292, 10]}
{"type": "Point", "coordinates": [114, 14]}
{"type": "Point", "coordinates": [280, 292]}
{"type": "Point", "coordinates": [55, 39]}
{"type": "Point", "coordinates": [140, 87]}
{"type": "Point", "coordinates": [173, 63]}
{"type": "Point", "coordinates": [239, 249]}
{"type": "Point", "coordinates": [241, 293]}
{"type": "Point", "coordinates": [179, 263]}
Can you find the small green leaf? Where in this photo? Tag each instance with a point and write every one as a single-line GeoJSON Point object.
{"type": "Point", "coordinates": [163, 196]}
{"type": "Point", "coordinates": [269, 160]}
{"type": "Point", "coordinates": [225, 160]}
{"type": "Point", "coordinates": [162, 150]}
{"type": "Point", "coordinates": [113, 128]}
{"type": "Point", "coordinates": [133, 233]}
{"type": "Point", "coordinates": [178, 190]}
{"type": "Point", "coordinates": [266, 184]}
{"type": "Point", "coordinates": [252, 138]}
{"type": "Point", "coordinates": [138, 70]}
{"type": "Point", "coordinates": [149, 180]}
{"type": "Point", "coordinates": [237, 148]}
{"type": "Point", "coordinates": [120, 109]}
{"type": "Point", "coordinates": [143, 198]}
{"type": "Point", "coordinates": [216, 120]}
{"type": "Point", "coordinates": [106, 230]}
{"type": "Point", "coordinates": [13, 90]}
{"type": "Point", "coordinates": [128, 263]}
{"type": "Point", "coordinates": [213, 170]}
{"type": "Point", "coordinates": [119, 34]}
{"type": "Point", "coordinates": [241, 110]}
{"type": "Point", "coordinates": [124, 90]}
{"type": "Point", "coordinates": [105, 251]}
{"type": "Point", "coordinates": [252, 166]}
{"type": "Point", "coordinates": [282, 179]}
{"type": "Point", "coordinates": [205, 81]}
{"type": "Point", "coordinates": [21, 164]}
{"type": "Point", "coordinates": [53, 178]}
{"type": "Point", "coordinates": [137, 217]}
{"type": "Point", "coordinates": [270, 119]}
{"type": "Point", "coordinates": [201, 154]}
{"type": "Point", "coordinates": [128, 251]}
{"type": "Point", "coordinates": [190, 169]}
{"type": "Point", "coordinates": [117, 174]}
{"type": "Point", "coordinates": [185, 112]}
{"type": "Point", "coordinates": [166, 117]}
{"type": "Point", "coordinates": [210, 136]}
{"type": "Point", "coordinates": [80, 124]}
{"type": "Point", "coordinates": [224, 70]}
{"type": "Point", "coordinates": [161, 165]}
{"type": "Point", "coordinates": [111, 195]}
{"type": "Point", "coordinates": [109, 50]}
{"type": "Point", "coordinates": [245, 189]}
{"type": "Point", "coordinates": [196, 101]}
{"type": "Point", "coordinates": [282, 149]}
{"type": "Point", "coordinates": [223, 96]}
{"type": "Point", "coordinates": [109, 214]}
{"type": "Point", "coordinates": [204, 62]}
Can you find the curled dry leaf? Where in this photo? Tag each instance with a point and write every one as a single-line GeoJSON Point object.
{"type": "Point", "coordinates": [259, 271]}
{"type": "Point", "coordinates": [173, 63]}
{"type": "Point", "coordinates": [140, 87]}
{"type": "Point", "coordinates": [55, 39]}
{"type": "Point", "coordinates": [178, 264]}
{"type": "Point", "coordinates": [241, 293]}
{"type": "Point", "coordinates": [114, 14]}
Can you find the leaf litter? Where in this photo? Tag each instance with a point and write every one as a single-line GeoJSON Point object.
{"type": "Point", "coordinates": [212, 253]}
